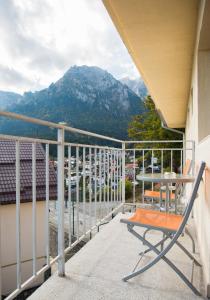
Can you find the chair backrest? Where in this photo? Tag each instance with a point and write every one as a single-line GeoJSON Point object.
{"type": "Point", "coordinates": [194, 190]}
{"type": "Point", "coordinates": [188, 208]}
{"type": "Point", "coordinates": [187, 167]}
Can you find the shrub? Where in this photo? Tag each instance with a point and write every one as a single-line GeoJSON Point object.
{"type": "Point", "coordinates": [128, 189]}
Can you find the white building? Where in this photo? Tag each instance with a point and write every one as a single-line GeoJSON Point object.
{"type": "Point", "coordinates": [169, 42]}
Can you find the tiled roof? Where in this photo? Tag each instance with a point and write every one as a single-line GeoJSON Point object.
{"type": "Point", "coordinates": [7, 173]}
{"type": "Point", "coordinates": [7, 152]}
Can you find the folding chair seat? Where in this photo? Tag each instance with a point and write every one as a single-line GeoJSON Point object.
{"type": "Point", "coordinates": [156, 195]}
{"type": "Point", "coordinates": [171, 225]}
{"type": "Point", "coordinates": [156, 219]}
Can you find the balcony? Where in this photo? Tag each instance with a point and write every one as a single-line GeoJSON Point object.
{"type": "Point", "coordinates": [95, 184]}
{"type": "Point", "coordinates": [96, 271]}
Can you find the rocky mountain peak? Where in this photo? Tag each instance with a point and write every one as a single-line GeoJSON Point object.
{"type": "Point", "coordinates": [86, 97]}
{"type": "Point", "coordinates": [89, 75]}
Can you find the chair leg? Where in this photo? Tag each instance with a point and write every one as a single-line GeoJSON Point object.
{"type": "Point", "coordinates": [160, 255]}
{"type": "Point", "coordinates": [162, 244]}
{"type": "Point", "coordinates": [161, 197]}
{"type": "Point", "coordinates": [158, 244]}
{"type": "Point", "coordinates": [188, 254]}
{"type": "Point", "coordinates": [145, 232]}
{"type": "Point", "coordinates": [190, 236]}
{"type": "Point", "coordinates": [176, 198]}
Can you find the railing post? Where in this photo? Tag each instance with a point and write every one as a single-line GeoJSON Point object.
{"type": "Point", "coordinates": [184, 150]}
{"type": "Point", "coordinates": [60, 199]}
{"type": "Point", "coordinates": [123, 173]}
{"type": "Point", "coordinates": [18, 218]}
{"type": "Point", "coordinates": [0, 258]}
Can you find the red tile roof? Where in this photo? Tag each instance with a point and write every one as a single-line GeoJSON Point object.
{"type": "Point", "coordinates": [7, 173]}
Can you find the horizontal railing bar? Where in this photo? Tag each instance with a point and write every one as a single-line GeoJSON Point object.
{"type": "Point", "coordinates": [54, 260]}
{"type": "Point", "coordinates": [72, 129]}
{"type": "Point", "coordinates": [160, 141]}
{"type": "Point", "coordinates": [18, 291]}
{"type": "Point", "coordinates": [137, 204]}
{"type": "Point", "coordinates": [91, 146]}
{"type": "Point", "coordinates": [31, 279]}
{"type": "Point", "coordinates": [88, 133]}
{"type": "Point", "coordinates": [29, 119]}
{"type": "Point", "coordinates": [27, 139]}
{"type": "Point", "coordinates": [156, 149]}
{"type": "Point", "coordinates": [43, 141]}
{"type": "Point", "coordinates": [55, 125]}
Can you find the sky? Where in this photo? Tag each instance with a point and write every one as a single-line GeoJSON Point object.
{"type": "Point", "coordinates": [42, 39]}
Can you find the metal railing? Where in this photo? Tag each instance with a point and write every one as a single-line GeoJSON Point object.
{"type": "Point", "coordinates": [91, 187]}
{"type": "Point", "coordinates": [153, 157]}
{"type": "Point", "coordinates": [89, 192]}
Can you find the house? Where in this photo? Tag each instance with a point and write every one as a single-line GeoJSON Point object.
{"type": "Point", "coordinates": [8, 231]}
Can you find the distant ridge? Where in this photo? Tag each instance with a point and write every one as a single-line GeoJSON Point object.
{"type": "Point", "coordinates": [136, 85]}
{"type": "Point", "coordinates": [8, 99]}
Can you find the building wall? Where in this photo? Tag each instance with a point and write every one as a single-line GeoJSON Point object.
{"type": "Point", "coordinates": [8, 243]}
{"type": "Point", "coordinates": [198, 128]}
{"type": "Point", "coordinates": [203, 94]}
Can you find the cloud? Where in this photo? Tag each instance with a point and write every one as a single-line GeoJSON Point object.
{"type": "Point", "coordinates": [41, 39]}
{"type": "Point", "coordinates": [13, 79]}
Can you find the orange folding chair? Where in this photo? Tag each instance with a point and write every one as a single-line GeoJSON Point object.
{"type": "Point", "coordinates": [171, 225]}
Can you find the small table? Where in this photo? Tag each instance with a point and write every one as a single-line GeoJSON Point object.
{"type": "Point", "coordinates": [166, 180]}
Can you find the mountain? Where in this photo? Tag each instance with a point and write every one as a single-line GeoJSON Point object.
{"type": "Point", "coordinates": [85, 97]}
{"type": "Point", "coordinates": [8, 99]}
{"type": "Point", "coordinates": [136, 85]}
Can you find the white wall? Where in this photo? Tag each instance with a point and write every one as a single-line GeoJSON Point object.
{"type": "Point", "coordinates": [8, 243]}
{"type": "Point", "coordinates": [203, 94]}
{"type": "Point", "coordinates": [198, 129]}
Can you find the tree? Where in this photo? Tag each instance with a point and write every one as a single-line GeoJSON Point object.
{"type": "Point", "coordinates": [128, 189]}
{"type": "Point", "coordinates": [147, 127]}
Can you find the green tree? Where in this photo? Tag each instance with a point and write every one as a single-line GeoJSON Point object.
{"type": "Point", "coordinates": [147, 127]}
{"type": "Point", "coordinates": [128, 189]}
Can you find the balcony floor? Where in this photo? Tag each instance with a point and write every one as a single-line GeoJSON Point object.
{"type": "Point", "coordinates": [95, 272]}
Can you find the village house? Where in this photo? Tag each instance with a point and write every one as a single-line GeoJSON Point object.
{"type": "Point", "coordinates": [8, 243]}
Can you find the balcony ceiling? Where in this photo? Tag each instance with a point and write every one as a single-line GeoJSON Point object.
{"type": "Point", "coordinates": [160, 37]}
